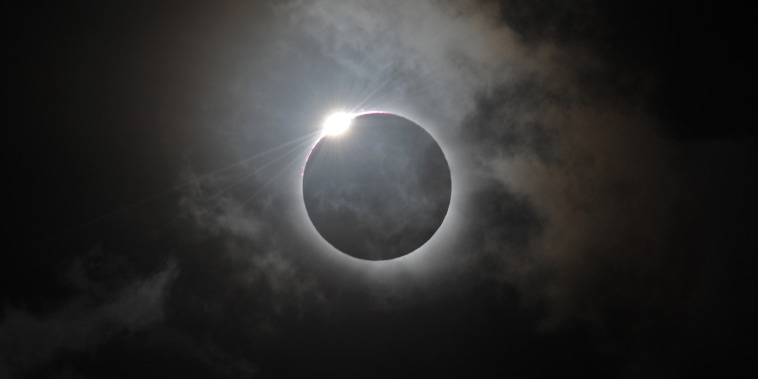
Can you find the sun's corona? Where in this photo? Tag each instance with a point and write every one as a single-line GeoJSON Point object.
{"type": "Point", "coordinates": [379, 191]}
{"type": "Point", "coordinates": [337, 123]}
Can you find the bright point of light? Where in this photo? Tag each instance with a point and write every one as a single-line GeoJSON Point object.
{"type": "Point", "coordinates": [337, 123]}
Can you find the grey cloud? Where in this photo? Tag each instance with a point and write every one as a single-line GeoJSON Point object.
{"type": "Point", "coordinates": [250, 238]}
{"type": "Point", "coordinates": [28, 340]}
{"type": "Point", "coordinates": [608, 241]}
{"type": "Point", "coordinates": [438, 54]}
{"type": "Point", "coordinates": [581, 175]}
{"type": "Point", "coordinates": [558, 160]}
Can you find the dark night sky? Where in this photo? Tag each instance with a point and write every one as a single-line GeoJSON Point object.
{"type": "Point", "coordinates": [602, 215]}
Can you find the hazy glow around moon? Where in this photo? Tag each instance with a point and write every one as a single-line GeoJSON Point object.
{"type": "Point", "coordinates": [337, 123]}
{"type": "Point", "coordinates": [380, 191]}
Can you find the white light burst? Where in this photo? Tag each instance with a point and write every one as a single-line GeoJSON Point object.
{"type": "Point", "coordinates": [337, 123]}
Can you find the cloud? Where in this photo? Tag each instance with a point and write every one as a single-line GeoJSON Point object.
{"type": "Point", "coordinates": [556, 153]}
{"type": "Point", "coordinates": [251, 251]}
{"type": "Point", "coordinates": [490, 98]}
{"type": "Point", "coordinates": [561, 176]}
{"type": "Point", "coordinates": [435, 56]}
{"type": "Point", "coordinates": [29, 341]}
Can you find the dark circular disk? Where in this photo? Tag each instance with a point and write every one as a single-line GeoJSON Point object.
{"type": "Point", "coordinates": [378, 191]}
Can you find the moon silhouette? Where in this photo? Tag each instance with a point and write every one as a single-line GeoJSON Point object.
{"type": "Point", "coordinates": [379, 190]}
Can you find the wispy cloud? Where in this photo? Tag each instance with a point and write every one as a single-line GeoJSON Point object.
{"type": "Point", "coordinates": [29, 340]}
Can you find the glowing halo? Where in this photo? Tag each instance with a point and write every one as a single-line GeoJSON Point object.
{"type": "Point", "coordinates": [379, 193]}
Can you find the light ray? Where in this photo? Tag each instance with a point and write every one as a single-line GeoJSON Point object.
{"type": "Point", "coordinates": [283, 170]}
{"type": "Point", "coordinates": [146, 200]}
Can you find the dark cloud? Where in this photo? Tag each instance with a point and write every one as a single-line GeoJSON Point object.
{"type": "Point", "coordinates": [87, 321]}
